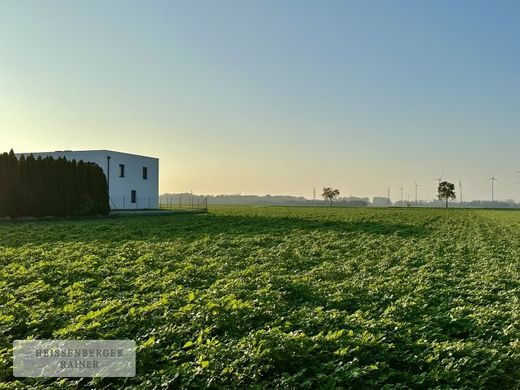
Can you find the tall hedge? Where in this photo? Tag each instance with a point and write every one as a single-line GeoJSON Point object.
{"type": "Point", "coordinates": [41, 187]}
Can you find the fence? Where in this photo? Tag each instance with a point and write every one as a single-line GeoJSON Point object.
{"type": "Point", "coordinates": [136, 202]}
{"type": "Point", "coordinates": [176, 202]}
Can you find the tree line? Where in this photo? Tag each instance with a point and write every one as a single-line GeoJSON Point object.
{"type": "Point", "coordinates": [182, 199]}
{"type": "Point", "coordinates": [41, 187]}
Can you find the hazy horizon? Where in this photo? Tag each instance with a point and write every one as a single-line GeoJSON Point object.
{"type": "Point", "coordinates": [272, 97]}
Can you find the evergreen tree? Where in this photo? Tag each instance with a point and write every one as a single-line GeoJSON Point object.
{"type": "Point", "coordinates": [12, 186]}
{"type": "Point", "coordinates": [51, 187]}
{"type": "Point", "coordinates": [4, 184]}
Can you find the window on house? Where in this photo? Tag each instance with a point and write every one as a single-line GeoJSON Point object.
{"type": "Point", "coordinates": [133, 196]}
{"type": "Point", "coordinates": [121, 170]}
{"type": "Point", "coordinates": [145, 173]}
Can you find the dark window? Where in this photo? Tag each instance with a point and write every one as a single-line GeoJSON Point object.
{"type": "Point", "coordinates": [145, 173]}
{"type": "Point", "coordinates": [121, 170]}
{"type": "Point", "coordinates": [133, 196]}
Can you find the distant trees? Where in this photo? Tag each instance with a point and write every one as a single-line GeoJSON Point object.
{"type": "Point", "coordinates": [330, 194]}
{"type": "Point", "coordinates": [51, 187]}
{"type": "Point", "coordinates": [179, 199]}
{"type": "Point", "coordinates": [446, 191]}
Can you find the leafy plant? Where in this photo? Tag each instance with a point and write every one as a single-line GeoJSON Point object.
{"type": "Point", "coordinates": [273, 297]}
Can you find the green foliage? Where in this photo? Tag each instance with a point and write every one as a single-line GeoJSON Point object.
{"type": "Point", "coordinates": [272, 297]}
{"type": "Point", "coordinates": [330, 194]}
{"type": "Point", "coordinates": [51, 187]}
{"type": "Point", "coordinates": [9, 183]}
{"type": "Point", "coordinates": [446, 191]}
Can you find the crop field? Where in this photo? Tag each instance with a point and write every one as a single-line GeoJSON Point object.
{"type": "Point", "coordinates": [274, 297]}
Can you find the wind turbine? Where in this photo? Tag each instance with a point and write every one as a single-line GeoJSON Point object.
{"type": "Point", "coordinates": [492, 180]}
{"type": "Point", "coordinates": [517, 172]}
{"type": "Point", "coordinates": [440, 177]}
{"type": "Point", "coordinates": [460, 190]}
{"type": "Point", "coordinates": [416, 185]}
{"type": "Point", "coordinates": [401, 195]}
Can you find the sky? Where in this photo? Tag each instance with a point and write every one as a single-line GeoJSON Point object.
{"type": "Point", "coordinates": [270, 96]}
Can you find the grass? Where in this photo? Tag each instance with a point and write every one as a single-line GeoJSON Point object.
{"type": "Point", "coordinates": [274, 297]}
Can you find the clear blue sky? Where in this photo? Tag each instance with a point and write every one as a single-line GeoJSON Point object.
{"type": "Point", "coordinates": [272, 96]}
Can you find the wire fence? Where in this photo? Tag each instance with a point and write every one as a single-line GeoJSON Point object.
{"type": "Point", "coordinates": [133, 202]}
{"type": "Point", "coordinates": [183, 203]}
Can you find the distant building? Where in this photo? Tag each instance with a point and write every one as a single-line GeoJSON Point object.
{"type": "Point", "coordinates": [381, 201]}
{"type": "Point", "coordinates": [133, 180]}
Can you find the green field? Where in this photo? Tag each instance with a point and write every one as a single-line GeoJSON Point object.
{"type": "Point", "coordinates": [274, 297]}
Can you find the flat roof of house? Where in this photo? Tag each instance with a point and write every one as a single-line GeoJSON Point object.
{"type": "Point", "coordinates": [86, 151]}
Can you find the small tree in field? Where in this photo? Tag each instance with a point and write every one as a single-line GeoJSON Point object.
{"type": "Point", "coordinates": [446, 191]}
{"type": "Point", "coordinates": [330, 194]}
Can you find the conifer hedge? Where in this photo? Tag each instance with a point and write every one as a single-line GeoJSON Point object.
{"type": "Point", "coordinates": [41, 187]}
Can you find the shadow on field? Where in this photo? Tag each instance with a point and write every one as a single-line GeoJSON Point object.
{"type": "Point", "coordinates": [189, 228]}
{"type": "Point", "coordinates": [266, 225]}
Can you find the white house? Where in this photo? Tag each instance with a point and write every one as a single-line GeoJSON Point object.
{"type": "Point", "coordinates": [133, 180]}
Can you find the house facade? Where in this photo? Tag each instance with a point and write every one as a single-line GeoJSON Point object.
{"type": "Point", "coordinates": [133, 180]}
